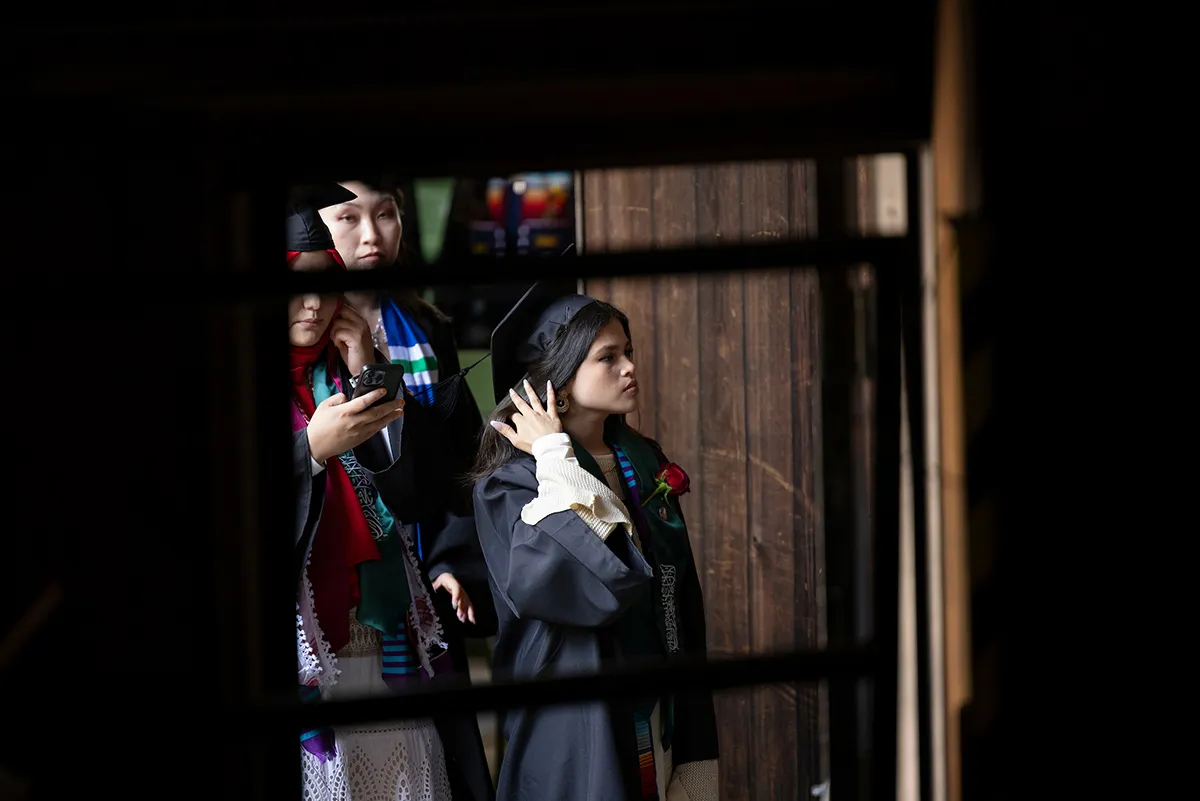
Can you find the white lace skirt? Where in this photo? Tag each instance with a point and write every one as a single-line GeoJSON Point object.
{"type": "Point", "coordinates": [401, 761]}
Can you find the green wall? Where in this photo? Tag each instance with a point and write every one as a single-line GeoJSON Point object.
{"type": "Point", "coordinates": [479, 379]}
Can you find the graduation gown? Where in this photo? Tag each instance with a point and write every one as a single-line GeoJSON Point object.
{"type": "Point", "coordinates": [418, 487]}
{"type": "Point", "coordinates": [559, 591]}
{"type": "Point", "coordinates": [461, 425]}
{"type": "Point", "coordinates": [453, 548]}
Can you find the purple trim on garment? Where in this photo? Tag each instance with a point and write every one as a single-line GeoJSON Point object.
{"type": "Point", "coordinates": [321, 745]}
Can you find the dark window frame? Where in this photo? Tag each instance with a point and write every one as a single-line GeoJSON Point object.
{"type": "Point", "coordinates": [864, 748]}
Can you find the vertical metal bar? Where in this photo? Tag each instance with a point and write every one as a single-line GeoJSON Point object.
{"type": "Point", "coordinates": [812, 709]}
{"type": "Point", "coordinates": [580, 223]}
{"type": "Point", "coordinates": [863, 457]}
{"type": "Point", "coordinates": [886, 507]}
{"type": "Point", "coordinates": [260, 386]}
{"type": "Point", "coordinates": [835, 217]}
{"type": "Point", "coordinates": [235, 477]}
{"type": "Point", "coordinates": [931, 304]}
{"type": "Point", "coordinates": [912, 319]}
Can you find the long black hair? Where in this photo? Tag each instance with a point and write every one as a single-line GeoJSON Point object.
{"type": "Point", "coordinates": [557, 365]}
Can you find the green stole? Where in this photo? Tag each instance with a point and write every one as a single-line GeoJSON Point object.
{"type": "Point", "coordinates": [383, 583]}
{"type": "Point", "coordinates": [650, 627]}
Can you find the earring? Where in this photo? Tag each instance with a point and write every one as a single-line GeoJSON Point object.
{"type": "Point", "coordinates": [562, 404]}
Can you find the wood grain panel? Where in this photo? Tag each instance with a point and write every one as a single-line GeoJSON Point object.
{"type": "Point", "coordinates": [723, 465]}
{"type": "Point", "coordinates": [730, 370]}
{"type": "Point", "coordinates": [677, 338]}
{"type": "Point", "coordinates": [629, 199]}
{"type": "Point", "coordinates": [595, 223]}
{"type": "Point", "coordinates": [770, 479]}
{"type": "Point", "coordinates": [595, 227]}
{"type": "Point", "coordinates": [812, 757]}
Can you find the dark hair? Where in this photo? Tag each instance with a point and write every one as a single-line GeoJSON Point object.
{"type": "Point", "coordinates": [407, 297]}
{"type": "Point", "coordinates": [558, 366]}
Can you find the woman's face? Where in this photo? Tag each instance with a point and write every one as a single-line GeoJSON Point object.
{"type": "Point", "coordinates": [605, 382]}
{"type": "Point", "coordinates": [310, 315]}
{"type": "Point", "coordinates": [366, 230]}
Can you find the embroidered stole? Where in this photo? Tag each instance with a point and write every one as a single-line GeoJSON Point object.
{"type": "Point", "coordinates": [409, 346]}
{"type": "Point", "coordinates": [650, 627]}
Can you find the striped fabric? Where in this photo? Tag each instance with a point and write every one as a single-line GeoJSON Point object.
{"type": "Point", "coordinates": [634, 496]}
{"type": "Point", "coordinates": [409, 346]}
{"type": "Point", "coordinates": [399, 660]}
{"type": "Point", "coordinates": [626, 468]}
{"type": "Point", "coordinates": [645, 746]}
{"type": "Point", "coordinates": [641, 720]}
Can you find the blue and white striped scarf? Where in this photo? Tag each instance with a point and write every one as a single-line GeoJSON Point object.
{"type": "Point", "coordinates": [408, 345]}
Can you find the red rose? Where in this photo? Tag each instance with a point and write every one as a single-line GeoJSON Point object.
{"type": "Point", "coordinates": [677, 480]}
{"type": "Point", "coordinates": [671, 480]}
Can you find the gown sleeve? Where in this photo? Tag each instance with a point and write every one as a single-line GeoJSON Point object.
{"type": "Point", "coordinates": [309, 492]}
{"type": "Point", "coordinates": [415, 479]}
{"type": "Point", "coordinates": [564, 485]}
{"type": "Point", "coordinates": [558, 568]}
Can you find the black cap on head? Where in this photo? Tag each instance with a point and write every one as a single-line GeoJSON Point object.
{"type": "Point", "coordinates": [527, 331]}
{"type": "Point", "coordinates": [306, 232]}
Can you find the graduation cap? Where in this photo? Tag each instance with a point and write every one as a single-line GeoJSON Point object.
{"type": "Point", "coordinates": [306, 232]}
{"type": "Point", "coordinates": [526, 332]}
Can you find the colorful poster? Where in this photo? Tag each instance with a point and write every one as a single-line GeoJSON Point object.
{"type": "Point", "coordinates": [533, 213]}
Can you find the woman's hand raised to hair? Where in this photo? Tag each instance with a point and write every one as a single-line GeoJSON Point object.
{"type": "Point", "coordinates": [530, 422]}
{"type": "Point", "coordinates": [339, 425]}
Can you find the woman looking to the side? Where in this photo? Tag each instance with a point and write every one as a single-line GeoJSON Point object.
{"type": "Point", "coordinates": [583, 573]}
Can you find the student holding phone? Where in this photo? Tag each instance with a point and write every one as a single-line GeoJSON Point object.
{"type": "Point", "coordinates": [369, 232]}
{"type": "Point", "coordinates": [368, 470]}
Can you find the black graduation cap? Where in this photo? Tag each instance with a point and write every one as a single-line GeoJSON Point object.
{"type": "Point", "coordinates": [306, 232]}
{"type": "Point", "coordinates": [527, 331]}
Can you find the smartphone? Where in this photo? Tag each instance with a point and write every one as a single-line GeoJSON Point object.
{"type": "Point", "coordinates": [380, 376]}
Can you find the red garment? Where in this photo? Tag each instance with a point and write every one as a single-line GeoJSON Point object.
{"type": "Point", "coordinates": [342, 540]}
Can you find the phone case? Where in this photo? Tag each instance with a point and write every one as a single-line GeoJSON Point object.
{"type": "Point", "coordinates": [374, 376]}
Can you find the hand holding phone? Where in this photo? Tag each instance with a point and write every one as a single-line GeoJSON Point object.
{"type": "Point", "coordinates": [339, 424]}
{"type": "Point", "coordinates": [389, 377]}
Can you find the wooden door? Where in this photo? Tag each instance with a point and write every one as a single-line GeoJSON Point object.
{"type": "Point", "coordinates": [729, 365]}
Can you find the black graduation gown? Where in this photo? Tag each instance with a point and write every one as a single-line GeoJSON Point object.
{"type": "Point", "coordinates": [455, 548]}
{"type": "Point", "coordinates": [418, 487]}
{"type": "Point", "coordinates": [462, 424]}
{"type": "Point", "coordinates": [559, 589]}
